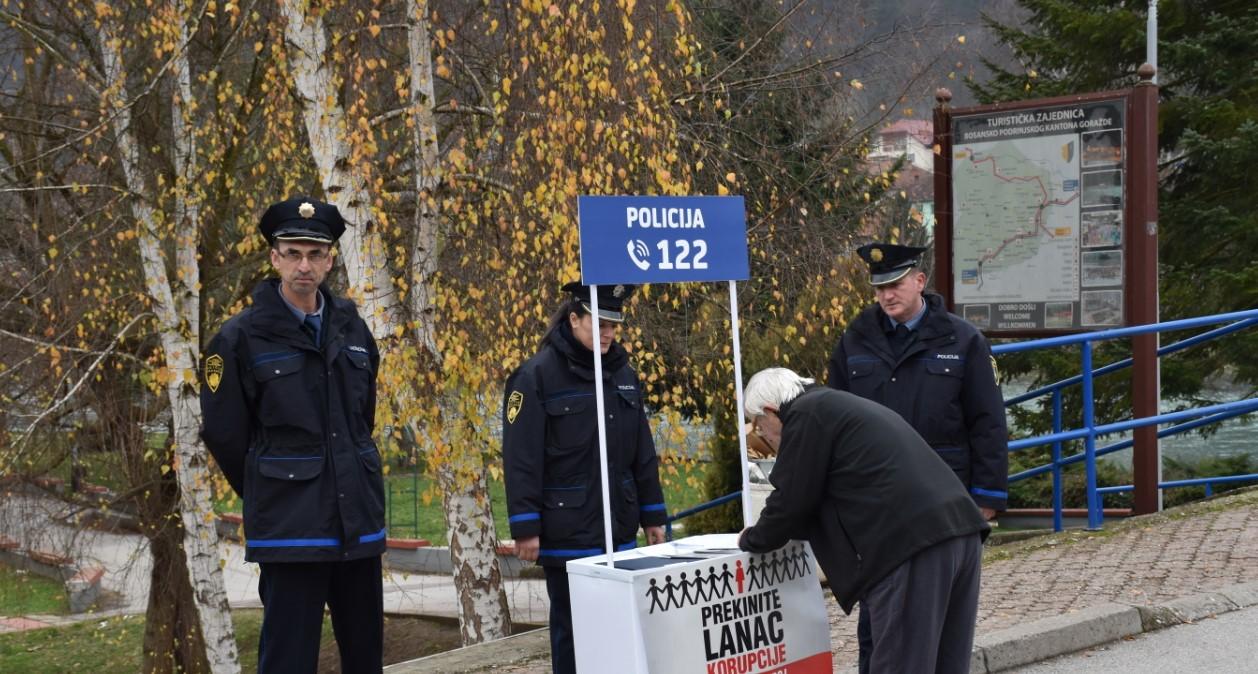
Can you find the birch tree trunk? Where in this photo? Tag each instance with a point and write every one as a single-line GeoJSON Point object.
{"type": "Point", "coordinates": [181, 353]}
{"type": "Point", "coordinates": [484, 614]}
{"type": "Point", "coordinates": [361, 247]}
{"type": "Point", "coordinates": [427, 173]}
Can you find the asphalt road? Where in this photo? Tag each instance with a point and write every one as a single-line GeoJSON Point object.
{"type": "Point", "coordinates": [1223, 644]}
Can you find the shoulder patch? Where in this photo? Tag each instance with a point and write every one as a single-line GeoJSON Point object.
{"type": "Point", "coordinates": [214, 372]}
{"type": "Point", "coordinates": [514, 402]}
{"type": "Point", "coordinates": [995, 370]}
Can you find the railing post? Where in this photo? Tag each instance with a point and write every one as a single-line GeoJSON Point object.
{"type": "Point", "coordinates": [1142, 266]}
{"type": "Point", "coordinates": [1057, 486]}
{"type": "Point", "coordinates": [1089, 422]}
{"type": "Point", "coordinates": [415, 488]}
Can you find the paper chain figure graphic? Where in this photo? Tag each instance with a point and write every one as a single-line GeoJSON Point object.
{"type": "Point", "coordinates": [762, 571]}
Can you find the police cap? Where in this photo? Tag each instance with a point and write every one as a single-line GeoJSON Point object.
{"type": "Point", "coordinates": [889, 262]}
{"type": "Point", "coordinates": [611, 299]}
{"type": "Point", "coordinates": [302, 219]}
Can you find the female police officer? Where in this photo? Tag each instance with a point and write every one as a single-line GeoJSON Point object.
{"type": "Point", "coordinates": [551, 458]}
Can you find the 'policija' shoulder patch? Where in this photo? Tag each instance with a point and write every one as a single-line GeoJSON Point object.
{"type": "Point", "coordinates": [214, 372]}
{"type": "Point", "coordinates": [514, 402]}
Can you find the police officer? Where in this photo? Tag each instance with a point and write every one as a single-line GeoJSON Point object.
{"type": "Point", "coordinates": [288, 396]}
{"type": "Point", "coordinates": [551, 455]}
{"type": "Point", "coordinates": [936, 370]}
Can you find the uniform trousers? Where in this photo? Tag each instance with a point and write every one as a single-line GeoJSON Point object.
{"type": "Point", "coordinates": [293, 596]}
{"type": "Point", "coordinates": [920, 617]}
{"type": "Point", "coordinates": [563, 659]}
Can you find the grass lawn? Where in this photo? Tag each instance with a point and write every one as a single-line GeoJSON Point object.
{"type": "Point", "coordinates": [25, 593]}
{"type": "Point", "coordinates": [114, 644]}
{"type": "Point", "coordinates": [413, 504]}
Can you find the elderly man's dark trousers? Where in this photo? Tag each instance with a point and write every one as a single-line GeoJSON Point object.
{"type": "Point", "coordinates": [293, 596]}
{"type": "Point", "coordinates": [921, 615]}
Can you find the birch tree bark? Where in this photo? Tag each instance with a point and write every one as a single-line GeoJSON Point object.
{"type": "Point", "coordinates": [484, 614]}
{"type": "Point", "coordinates": [181, 352]}
{"type": "Point", "coordinates": [362, 249]}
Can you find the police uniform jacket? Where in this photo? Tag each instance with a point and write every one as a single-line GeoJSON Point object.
{"type": "Point", "coordinates": [855, 480]}
{"type": "Point", "coordinates": [943, 383]}
{"type": "Point", "coordinates": [551, 456]}
{"type": "Point", "coordinates": [290, 422]}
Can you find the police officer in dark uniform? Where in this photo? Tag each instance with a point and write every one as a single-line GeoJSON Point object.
{"type": "Point", "coordinates": [288, 396]}
{"type": "Point", "coordinates": [551, 455]}
{"type": "Point", "coordinates": [933, 368]}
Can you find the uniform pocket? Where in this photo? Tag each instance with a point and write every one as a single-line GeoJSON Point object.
{"type": "Point", "coordinates": [859, 368]}
{"type": "Point", "coordinates": [564, 514]}
{"type": "Point", "coordinates": [958, 459]}
{"type": "Point", "coordinates": [570, 422]}
{"type": "Point", "coordinates": [373, 484]}
{"type": "Point", "coordinates": [283, 397]}
{"type": "Point", "coordinates": [297, 468]}
{"type": "Point", "coordinates": [285, 497]}
{"type": "Point", "coordinates": [358, 373]}
{"type": "Point", "coordinates": [946, 368]}
{"type": "Point", "coordinates": [861, 380]}
{"type": "Point", "coordinates": [626, 513]}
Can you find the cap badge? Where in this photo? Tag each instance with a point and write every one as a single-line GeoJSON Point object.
{"type": "Point", "coordinates": [876, 255]}
{"type": "Point", "coordinates": [618, 291]}
{"type": "Point", "coordinates": [306, 209]}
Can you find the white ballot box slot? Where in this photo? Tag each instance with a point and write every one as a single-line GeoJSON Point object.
{"type": "Point", "coordinates": [700, 606]}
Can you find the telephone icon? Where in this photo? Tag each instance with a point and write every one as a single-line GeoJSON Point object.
{"type": "Point", "coordinates": [640, 254]}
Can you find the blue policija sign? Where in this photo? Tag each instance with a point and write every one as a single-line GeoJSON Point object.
{"type": "Point", "coordinates": [629, 239]}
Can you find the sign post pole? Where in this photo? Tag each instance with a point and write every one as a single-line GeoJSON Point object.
{"type": "Point", "coordinates": [631, 239]}
{"type": "Point", "coordinates": [748, 519]}
{"type": "Point", "coordinates": [602, 428]}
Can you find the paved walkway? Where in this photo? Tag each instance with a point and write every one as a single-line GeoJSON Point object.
{"type": "Point", "coordinates": [39, 523]}
{"type": "Point", "coordinates": [1145, 560]}
{"type": "Point", "coordinates": [1207, 546]}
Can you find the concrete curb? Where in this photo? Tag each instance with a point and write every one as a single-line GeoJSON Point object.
{"type": "Point", "coordinates": [994, 652]}
{"type": "Point", "coordinates": [1096, 625]}
{"type": "Point", "coordinates": [515, 649]}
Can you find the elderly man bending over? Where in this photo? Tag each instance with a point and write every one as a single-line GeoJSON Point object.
{"type": "Point", "coordinates": [888, 525]}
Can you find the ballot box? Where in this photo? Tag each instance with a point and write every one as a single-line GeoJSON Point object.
{"type": "Point", "coordinates": [700, 606]}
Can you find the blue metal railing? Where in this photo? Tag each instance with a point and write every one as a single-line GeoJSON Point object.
{"type": "Point", "coordinates": [668, 527]}
{"type": "Point", "coordinates": [1090, 431]}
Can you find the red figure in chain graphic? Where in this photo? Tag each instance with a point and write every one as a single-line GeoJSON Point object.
{"type": "Point", "coordinates": [738, 575]}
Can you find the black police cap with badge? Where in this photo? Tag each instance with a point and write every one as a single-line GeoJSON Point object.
{"type": "Point", "coordinates": [889, 262]}
{"type": "Point", "coordinates": [302, 219]}
{"type": "Point", "coordinates": [611, 299]}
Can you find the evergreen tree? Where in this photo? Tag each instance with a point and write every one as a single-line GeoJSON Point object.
{"type": "Point", "coordinates": [1208, 137]}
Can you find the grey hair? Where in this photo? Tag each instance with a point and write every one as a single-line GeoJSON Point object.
{"type": "Point", "coordinates": [774, 386]}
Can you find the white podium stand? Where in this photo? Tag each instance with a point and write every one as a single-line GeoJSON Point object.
{"type": "Point", "coordinates": [700, 606]}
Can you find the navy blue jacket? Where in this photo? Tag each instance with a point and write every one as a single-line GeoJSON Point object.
{"type": "Point", "coordinates": [943, 384]}
{"type": "Point", "coordinates": [550, 452]}
{"type": "Point", "coordinates": [290, 423]}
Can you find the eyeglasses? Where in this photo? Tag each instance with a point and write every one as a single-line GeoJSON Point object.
{"type": "Point", "coordinates": [296, 256]}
